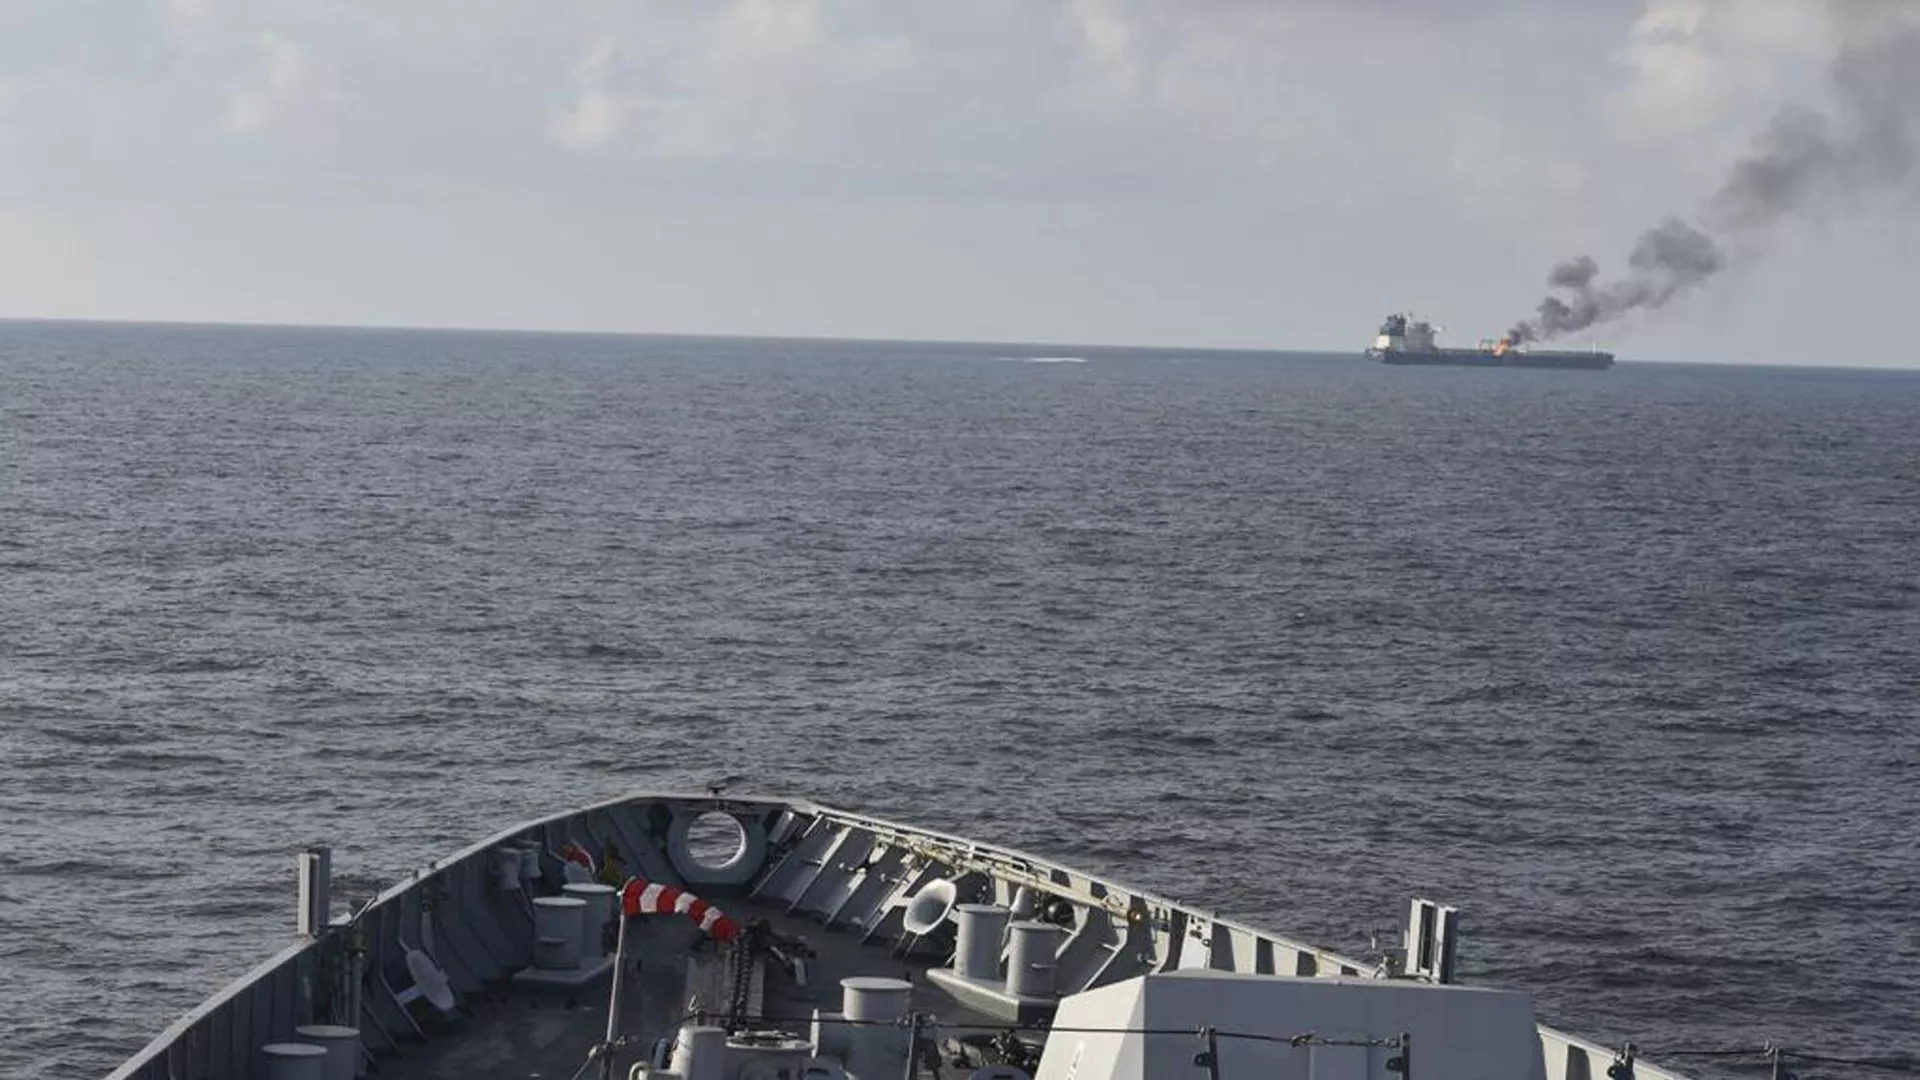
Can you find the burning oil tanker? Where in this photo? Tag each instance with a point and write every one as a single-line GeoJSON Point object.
{"type": "Point", "coordinates": [1403, 340]}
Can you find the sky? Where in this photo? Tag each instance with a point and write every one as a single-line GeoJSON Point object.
{"type": "Point", "coordinates": [1236, 173]}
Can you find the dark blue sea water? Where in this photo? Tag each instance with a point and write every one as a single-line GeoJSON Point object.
{"type": "Point", "coordinates": [1626, 664]}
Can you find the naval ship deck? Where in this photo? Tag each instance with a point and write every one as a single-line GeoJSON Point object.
{"type": "Point", "coordinates": [518, 1034]}
{"type": "Point", "coordinates": [855, 947]}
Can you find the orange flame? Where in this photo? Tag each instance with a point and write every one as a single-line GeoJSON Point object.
{"type": "Point", "coordinates": [1500, 349]}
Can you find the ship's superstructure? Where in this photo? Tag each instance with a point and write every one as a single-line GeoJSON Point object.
{"type": "Point", "coordinates": [1403, 333]}
{"type": "Point", "coordinates": [1404, 339]}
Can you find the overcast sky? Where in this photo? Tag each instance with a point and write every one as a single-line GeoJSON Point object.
{"type": "Point", "coordinates": [1260, 173]}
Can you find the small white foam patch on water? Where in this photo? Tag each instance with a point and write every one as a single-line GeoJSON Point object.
{"type": "Point", "coordinates": [1043, 359]}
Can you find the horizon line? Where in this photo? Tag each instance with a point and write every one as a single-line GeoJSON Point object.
{"type": "Point", "coordinates": [423, 328]}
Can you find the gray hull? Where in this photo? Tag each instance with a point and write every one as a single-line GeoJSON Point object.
{"type": "Point", "coordinates": [1567, 359]}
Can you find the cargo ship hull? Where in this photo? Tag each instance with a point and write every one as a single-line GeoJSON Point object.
{"type": "Point", "coordinates": [1513, 358]}
{"type": "Point", "coordinates": [1406, 340]}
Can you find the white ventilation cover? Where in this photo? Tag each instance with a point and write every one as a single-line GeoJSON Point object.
{"type": "Point", "coordinates": [430, 979]}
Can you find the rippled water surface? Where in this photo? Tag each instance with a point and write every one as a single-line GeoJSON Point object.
{"type": "Point", "coordinates": [1626, 664]}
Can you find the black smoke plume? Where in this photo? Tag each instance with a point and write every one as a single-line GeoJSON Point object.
{"type": "Point", "coordinates": [1803, 161]}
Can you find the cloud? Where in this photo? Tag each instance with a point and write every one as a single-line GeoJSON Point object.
{"type": "Point", "coordinates": [737, 79]}
{"type": "Point", "coordinates": [1498, 168]}
{"type": "Point", "coordinates": [1694, 67]}
{"type": "Point", "coordinates": [278, 67]}
{"type": "Point", "coordinates": [1004, 98]}
{"type": "Point", "coordinates": [594, 116]}
{"type": "Point", "coordinates": [1105, 37]}
{"type": "Point", "coordinates": [189, 10]}
{"type": "Point", "coordinates": [1063, 100]}
{"type": "Point", "coordinates": [1057, 101]}
{"type": "Point", "coordinates": [1673, 74]}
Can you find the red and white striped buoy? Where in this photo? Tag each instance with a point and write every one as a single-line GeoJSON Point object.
{"type": "Point", "coordinates": [652, 898]}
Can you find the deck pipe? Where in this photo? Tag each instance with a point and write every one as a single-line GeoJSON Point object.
{"type": "Point", "coordinates": [316, 891]}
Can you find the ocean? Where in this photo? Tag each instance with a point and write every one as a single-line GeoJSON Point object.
{"type": "Point", "coordinates": [1624, 664]}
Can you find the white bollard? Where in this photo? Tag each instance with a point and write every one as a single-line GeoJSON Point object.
{"type": "Point", "coordinates": [342, 1045]}
{"type": "Point", "coordinates": [983, 931]}
{"type": "Point", "coordinates": [1030, 960]}
{"type": "Point", "coordinates": [873, 1006]}
{"type": "Point", "coordinates": [556, 932]}
{"type": "Point", "coordinates": [530, 871]}
{"type": "Point", "coordinates": [700, 1052]}
{"type": "Point", "coordinates": [593, 921]}
{"type": "Point", "coordinates": [295, 1061]}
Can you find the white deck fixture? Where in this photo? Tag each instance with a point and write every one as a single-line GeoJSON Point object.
{"type": "Point", "coordinates": [294, 1061]}
{"type": "Point", "coordinates": [342, 1045]}
{"type": "Point", "coordinates": [1288, 1028]}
